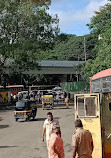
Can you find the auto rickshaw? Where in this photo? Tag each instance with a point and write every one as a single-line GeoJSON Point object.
{"type": "Point", "coordinates": [47, 99]}
{"type": "Point", "coordinates": [87, 108]}
{"type": "Point", "coordinates": [24, 110]}
{"type": "Point", "coordinates": [94, 109]}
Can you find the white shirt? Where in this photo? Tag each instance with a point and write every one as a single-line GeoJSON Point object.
{"type": "Point", "coordinates": [49, 127]}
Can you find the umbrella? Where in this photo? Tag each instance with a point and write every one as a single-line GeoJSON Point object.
{"type": "Point", "coordinates": [57, 88]}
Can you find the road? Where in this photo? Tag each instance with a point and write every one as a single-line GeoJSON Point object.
{"type": "Point", "coordinates": [23, 139]}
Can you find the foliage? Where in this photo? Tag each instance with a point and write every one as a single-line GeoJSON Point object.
{"type": "Point", "coordinates": [102, 20]}
{"type": "Point", "coordinates": [101, 25]}
{"type": "Point", "coordinates": [71, 47]}
{"type": "Point", "coordinates": [26, 29]}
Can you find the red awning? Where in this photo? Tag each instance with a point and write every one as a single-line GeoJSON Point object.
{"type": "Point", "coordinates": [101, 74]}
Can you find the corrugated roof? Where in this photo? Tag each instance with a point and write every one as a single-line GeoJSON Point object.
{"type": "Point", "coordinates": [101, 74]}
{"type": "Point", "coordinates": [57, 63]}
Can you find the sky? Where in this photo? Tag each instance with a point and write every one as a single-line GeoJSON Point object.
{"type": "Point", "coordinates": [75, 14]}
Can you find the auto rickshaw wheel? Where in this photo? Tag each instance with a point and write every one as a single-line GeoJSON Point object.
{"type": "Point", "coordinates": [27, 119]}
{"type": "Point", "coordinates": [33, 117]}
{"type": "Point", "coordinates": [16, 119]}
{"type": "Point", "coordinates": [52, 106]}
{"type": "Point", "coordinates": [43, 106]}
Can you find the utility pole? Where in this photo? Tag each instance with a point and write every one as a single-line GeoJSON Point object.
{"type": "Point", "coordinates": [85, 48]}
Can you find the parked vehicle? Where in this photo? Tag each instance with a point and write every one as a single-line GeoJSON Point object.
{"type": "Point", "coordinates": [24, 110]}
{"type": "Point", "coordinates": [94, 109]}
{"type": "Point", "coordinates": [47, 99]}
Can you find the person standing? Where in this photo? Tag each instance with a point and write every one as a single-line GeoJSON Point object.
{"type": "Point", "coordinates": [82, 141]}
{"type": "Point", "coordinates": [57, 98]}
{"type": "Point", "coordinates": [49, 123]}
{"type": "Point", "coordinates": [67, 101]}
{"type": "Point", "coordinates": [56, 148]}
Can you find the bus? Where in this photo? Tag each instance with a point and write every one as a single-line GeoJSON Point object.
{"type": "Point", "coordinates": [9, 91]}
{"type": "Point", "coordinates": [14, 89]}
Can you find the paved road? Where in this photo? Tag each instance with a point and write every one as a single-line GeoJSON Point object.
{"type": "Point", "coordinates": [23, 139]}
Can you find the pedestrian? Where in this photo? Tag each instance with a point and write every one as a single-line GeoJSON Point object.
{"type": "Point", "coordinates": [57, 98]}
{"type": "Point", "coordinates": [82, 141]}
{"type": "Point", "coordinates": [62, 97]}
{"type": "Point", "coordinates": [39, 96]}
{"type": "Point", "coordinates": [67, 101]}
{"type": "Point", "coordinates": [65, 94]}
{"type": "Point", "coordinates": [56, 148]}
{"type": "Point", "coordinates": [49, 123]}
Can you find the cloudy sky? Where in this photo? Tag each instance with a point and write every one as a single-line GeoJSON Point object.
{"type": "Point", "coordinates": [75, 14]}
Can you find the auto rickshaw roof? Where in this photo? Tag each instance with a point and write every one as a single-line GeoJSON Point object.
{"type": "Point", "coordinates": [101, 74]}
{"type": "Point", "coordinates": [21, 103]}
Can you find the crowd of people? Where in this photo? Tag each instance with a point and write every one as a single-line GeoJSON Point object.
{"type": "Point", "coordinates": [82, 142]}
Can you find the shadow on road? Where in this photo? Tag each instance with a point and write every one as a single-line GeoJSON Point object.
{"type": "Point", "coordinates": [39, 119]}
{"type": "Point", "coordinates": [42, 119]}
{"type": "Point", "coordinates": [36, 119]}
{"type": "Point", "coordinates": [4, 126]}
{"type": "Point", "coordinates": [56, 108]}
{"type": "Point", "coordinates": [8, 146]}
{"type": "Point", "coordinates": [2, 111]}
{"type": "Point", "coordinates": [1, 119]}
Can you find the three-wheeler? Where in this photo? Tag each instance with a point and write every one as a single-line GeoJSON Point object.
{"type": "Point", "coordinates": [94, 109]}
{"type": "Point", "coordinates": [47, 99]}
{"type": "Point", "coordinates": [24, 110]}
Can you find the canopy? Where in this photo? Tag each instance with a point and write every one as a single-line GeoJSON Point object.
{"type": "Point", "coordinates": [101, 74]}
{"type": "Point", "coordinates": [57, 88]}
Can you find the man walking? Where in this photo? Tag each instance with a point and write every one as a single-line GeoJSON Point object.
{"type": "Point", "coordinates": [82, 141]}
{"type": "Point", "coordinates": [49, 123]}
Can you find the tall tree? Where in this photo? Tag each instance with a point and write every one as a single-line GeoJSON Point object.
{"type": "Point", "coordinates": [101, 26]}
{"type": "Point", "coordinates": [102, 20]}
{"type": "Point", "coordinates": [25, 28]}
{"type": "Point", "coordinates": [71, 47]}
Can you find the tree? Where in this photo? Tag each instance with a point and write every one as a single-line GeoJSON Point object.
{"type": "Point", "coordinates": [102, 20]}
{"type": "Point", "coordinates": [26, 29]}
{"type": "Point", "coordinates": [103, 58]}
{"type": "Point", "coordinates": [71, 47]}
{"type": "Point", "coordinates": [100, 25]}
